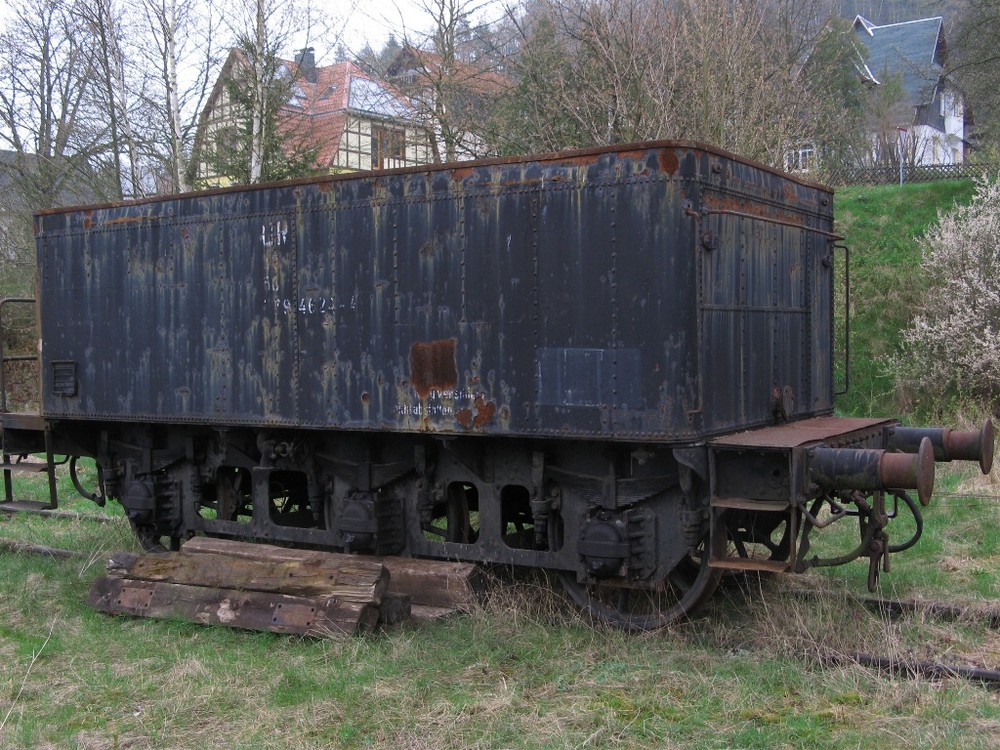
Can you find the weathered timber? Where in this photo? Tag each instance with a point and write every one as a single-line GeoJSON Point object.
{"type": "Point", "coordinates": [42, 509]}
{"type": "Point", "coordinates": [253, 610]}
{"type": "Point", "coordinates": [345, 577]}
{"type": "Point", "coordinates": [431, 583]}
{"type": "Point", "coordinates": [394, 609]}
{"type": "Point", "coordinates": [252, 551]}
{"type": "Point", "coordinates": [264, 587]}
{"type": "Point", "coordinates": [898, 607]}
{"type": "Point", "coordinates": [989, 678]}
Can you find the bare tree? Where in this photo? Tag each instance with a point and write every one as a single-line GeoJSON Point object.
{"type": "Point", "coordinates": [184, 35]}
{"type": "Point", "coordinates": [452, 72]}
{"type": "Point", "coordinates": [51, 130]}
{"type": "Point", "coordinates": [46, 109]}
{"type": "Point", "coordinates": [104, 21]}
{"type": "Point", "coordinates": [837, 110]}
{"type": "Point", "coordinates": [722, 71]}
{"type": "Point", "coordinates": [975, 65]}
{"type": "Point", "coordinates": [261, 84]}
{"type": "Point", "coordinates": [887, 118]}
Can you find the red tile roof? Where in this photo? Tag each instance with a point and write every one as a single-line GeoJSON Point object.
{"type": "Point", "coordinates": [318, 113]}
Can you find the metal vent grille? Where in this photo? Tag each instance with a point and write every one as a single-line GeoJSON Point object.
{"type": "Point", "coordinates": [64, 378]}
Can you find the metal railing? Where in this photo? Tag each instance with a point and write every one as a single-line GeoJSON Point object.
{"type": "Point", "coordinates": [6, 358]}
{"type": "Point", "coordinates": [890, 175]}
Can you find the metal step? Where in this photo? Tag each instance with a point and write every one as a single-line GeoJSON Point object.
{"type": "Point", "coordinates": [722, 507]}
{"type": "Point", "coordinates": [23, 434]}
{"type": "Point", "coordinates": [30, 467]}
{"type": "Point", "coordinates": [740, 503]}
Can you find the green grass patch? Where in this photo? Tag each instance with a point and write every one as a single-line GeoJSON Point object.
{"type": "Point", "coordinates": [882, 225]}
{"type": "Point", "coordinates": [524, 671]}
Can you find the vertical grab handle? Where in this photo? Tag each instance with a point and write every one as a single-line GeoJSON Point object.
{"type": "Point", "coordinates": [847, 317]}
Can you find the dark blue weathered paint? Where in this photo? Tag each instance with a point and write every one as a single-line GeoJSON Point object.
{"type": "Point", "coordinates": [656, 291]}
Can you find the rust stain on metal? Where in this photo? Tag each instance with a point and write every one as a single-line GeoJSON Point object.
{"type": "Point", "coordinates": [433, 367]}
{"type": "Point", "coordinates": [126, 220]}
{"type": "Point", "coordinates": [637, 154]}
{"type": "Point", "coordinates": [791, 194]}
{"type": "Point", "coordinates": [457, 175]}
{"type": "Point", "coordinates": [485, 410]}
{"type": "Point", "coordinates": [669, 162]}
{"type": "Point", "coordinates": [483, 414]}
{"type": "Point", "coordinates": [736, 205]}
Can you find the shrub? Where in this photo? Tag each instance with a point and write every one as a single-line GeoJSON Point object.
{"type": "Point", "coordinates": [952, 348]}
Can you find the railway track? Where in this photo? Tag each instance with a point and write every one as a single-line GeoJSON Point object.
{"type": "Point", "coordinates": [988, 678]}
{"type": "Point", "coordinates": [987, 613]}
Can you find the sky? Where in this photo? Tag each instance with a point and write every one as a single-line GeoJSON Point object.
{"type": "Point", "coordinates": [373, 22]}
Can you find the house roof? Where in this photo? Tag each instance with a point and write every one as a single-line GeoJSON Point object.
{"type": "Point", "coordinates": [427, 67]}
{"type": "Point", "coordinates": [345, 86]}
{"type": "Point", "coordinates": [322, 102]}
{"type": "Point", "coordinates": [913, 50]}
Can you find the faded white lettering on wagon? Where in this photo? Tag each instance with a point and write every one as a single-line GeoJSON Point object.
{"type": "Point", "coordinates": [321, 304]}
{"type": "Point", "coordinates": [439, 403]}
{"type": "Point", "coordinates": [274, 234]}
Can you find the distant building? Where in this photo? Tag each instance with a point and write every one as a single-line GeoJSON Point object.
{"type": "Point", "coordinates": [348, 118]}
{"type": "Point", "coordinates": [24, 185]}
{"type": "Point", "coordinates": [930, 127]}
{"type": "Point", "coordinates": [27, 184]}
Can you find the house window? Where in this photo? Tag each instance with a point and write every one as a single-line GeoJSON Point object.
{"type": "Point", "coordinates": [802, 159]}
{"type": "Point", "coordinates": [388, 147]}
{"type": "Point", "coordinates": [355, 151]}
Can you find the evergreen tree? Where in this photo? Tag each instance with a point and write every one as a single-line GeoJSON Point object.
{"type": "Point", "coordinates": [284, 150]}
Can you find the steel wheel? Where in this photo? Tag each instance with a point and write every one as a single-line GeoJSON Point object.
{"type": "Point", "coordinates": [636, 608]}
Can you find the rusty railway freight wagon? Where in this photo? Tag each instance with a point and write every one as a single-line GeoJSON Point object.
{"type": "Point", "coordinates": [616, 364]}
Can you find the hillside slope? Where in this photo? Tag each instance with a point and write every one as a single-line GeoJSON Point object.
{"type": "Point", "coordinates": [881, 226]}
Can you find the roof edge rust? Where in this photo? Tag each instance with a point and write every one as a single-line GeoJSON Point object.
{"type": "Point", "coordinates": [552, 156]}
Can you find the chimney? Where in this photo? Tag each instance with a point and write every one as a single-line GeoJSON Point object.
{"type": "Point", "coordinates": [306, 60]}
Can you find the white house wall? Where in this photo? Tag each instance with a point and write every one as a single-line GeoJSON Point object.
{"type": "Point", "coordinates": [355, 151]}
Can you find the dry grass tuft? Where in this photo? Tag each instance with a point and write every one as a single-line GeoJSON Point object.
{"type": "Point", "coordinates": [517, 599]}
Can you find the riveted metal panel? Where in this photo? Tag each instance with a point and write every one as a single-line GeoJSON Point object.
{"type": "Point", "coordinates": [657, 291]}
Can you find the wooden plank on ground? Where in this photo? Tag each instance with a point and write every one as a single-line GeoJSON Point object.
{"type": "Point", "coordinates": [434, 583]}
{"type": "Point", "coordinates": [253, 551]}
{"type": "Point", "coordinates": [345, 577]}
{"type": "Point", "coordinates": [431, 583]}
{"type": "Point", "coordinates": [394, 609]}
{"type": "Point", "coordinates": [253, 610]}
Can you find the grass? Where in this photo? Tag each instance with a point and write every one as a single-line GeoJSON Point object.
{"type": "Point", "coordinates": [523, 671]}
{"type": "Point", "coordinates": [881, 226]}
